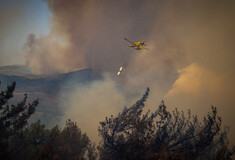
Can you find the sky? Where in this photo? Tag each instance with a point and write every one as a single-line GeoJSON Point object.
{"type": "Point", "coordinates": [190, 63]}
{"type": "Point", "coordinates": [17, 20]}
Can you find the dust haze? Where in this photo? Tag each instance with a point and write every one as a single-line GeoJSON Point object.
{"type": "Point", "coordinates": [8, 15]}
{"type": "Point", "coordinates": [190, 63]}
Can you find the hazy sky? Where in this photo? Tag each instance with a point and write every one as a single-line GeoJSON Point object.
{"type": "Point", "coordinates": [17, 20]}
{"type": "Point", "coordinates": [190, 63]}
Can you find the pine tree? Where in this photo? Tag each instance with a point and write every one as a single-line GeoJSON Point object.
{"type": "Point", "coordinates": [162, 135]}
{"type": "Point", "coordinates": [66, 144]}
{"type": "Point", "coordinates": [13, 118]}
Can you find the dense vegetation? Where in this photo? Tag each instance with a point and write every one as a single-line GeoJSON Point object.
{"type": "Point", "coordinates": [131, 135]}
{"type": "Point", "coordinates": [162, 135]}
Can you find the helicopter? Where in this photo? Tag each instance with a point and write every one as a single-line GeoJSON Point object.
{"type": "Point", "coordinates": [137, 45]}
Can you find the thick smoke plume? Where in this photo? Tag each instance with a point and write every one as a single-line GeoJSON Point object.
{"type": "Point", "coordinates": [190, 62]}
{"type": "Point", "coordinates": [92, 33]}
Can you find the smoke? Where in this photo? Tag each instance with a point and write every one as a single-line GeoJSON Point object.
{"type": "Point", "coordinates": [91, 103]}
{"type": "Point", "coordinates": [48, 54]}
{"type": "Point", "coordinates": [94, 31]}
{"type": "Point", "coordinates": [198, 87]}
{"type": "Point", "coordinates": [190, 62]}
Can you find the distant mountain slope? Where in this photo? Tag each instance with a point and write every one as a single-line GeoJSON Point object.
{"type": "Point", "coordinates": [17, 70]}
{"type": "Point", "coordinates": [48, 84]}
{"type": "Point", "coordinates": [44, 87]}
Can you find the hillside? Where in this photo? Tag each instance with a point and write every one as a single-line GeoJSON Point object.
{"type": "Point", "coordinates": [17, 70]}
{"type": "Point", "coordinates": [45, 87]}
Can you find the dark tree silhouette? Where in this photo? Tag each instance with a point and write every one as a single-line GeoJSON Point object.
{"type": "Point", "coordinates": [12, 117]}
{"type": "Point", "coordinates": [162, 135]}
{"type": "Point", "coordinates": [91, 152]}
{"type": "Point", "coordinates": [72, 143]}
{"type": "Point", "coordinates": [30, 142]}
{"type": "Point", "coordinates": [36, 142]}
